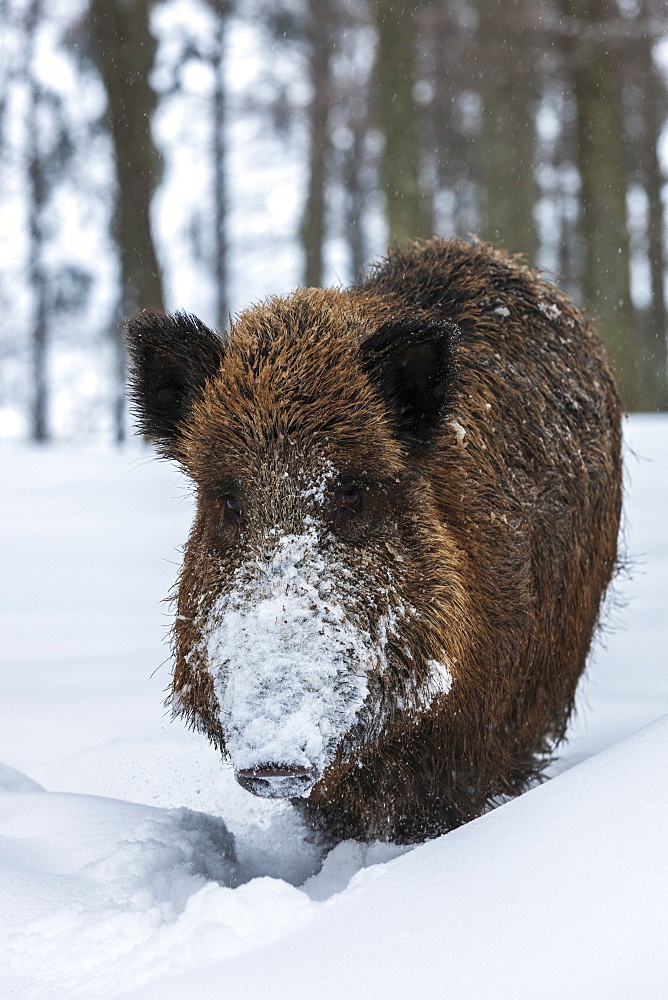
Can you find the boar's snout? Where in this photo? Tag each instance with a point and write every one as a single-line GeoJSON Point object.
{"type": "Point", "coordinates": [277, 781]}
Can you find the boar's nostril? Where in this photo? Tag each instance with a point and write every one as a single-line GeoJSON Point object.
{"type": "Point", "coordinates": [277, 781]}
{"type": "Point", "coordinates": [275, 771]}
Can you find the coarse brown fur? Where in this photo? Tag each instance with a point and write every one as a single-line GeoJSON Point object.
{"type": "Point", "coordinates": [474, 405]}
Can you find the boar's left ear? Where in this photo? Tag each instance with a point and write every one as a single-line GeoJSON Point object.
{"type": "Point", "coordinates": [171, 359]}
{"type": "Point", "coordinates": [411, 363]}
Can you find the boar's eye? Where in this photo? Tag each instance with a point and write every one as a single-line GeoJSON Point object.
{"type": "Point", "coordinates": [233, 508]}
{"type": "Point", "coordinates": [349, 502]}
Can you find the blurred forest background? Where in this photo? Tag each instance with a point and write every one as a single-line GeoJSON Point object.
{"type": "Point", "coordinates": [202, 154]}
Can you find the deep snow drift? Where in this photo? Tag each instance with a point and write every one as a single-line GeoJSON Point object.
{"type": "Point", "coordinates": [144, 893]}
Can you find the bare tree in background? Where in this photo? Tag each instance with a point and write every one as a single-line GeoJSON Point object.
{"type": "Point", "coordinates": [506, 144]}
{"type": "Point", "coordinates": [319, 33]}
{"type": "Point", "coordinates": [356, 193]}
{"type": "Point", "coordinates": [453, 115]}
{"type": "Point", "coordinates": [564, 196]}
{"type": "Point", "coordinates": [221, 10]}
{"type": "Point", "coordinates": [41, 143]}
{"type": "Point", "coordinates": [125, 51]}
{"type": "Point", "coordinates": [36, 202]}
{"type": "Point", "coordinates": [351, 161]}
{"type": "Point", "coordinates": [650, 115]}
{"type": "Point", "coordinates": [606, 280]}
{"type": "Point", "coordinates": [399, 119]}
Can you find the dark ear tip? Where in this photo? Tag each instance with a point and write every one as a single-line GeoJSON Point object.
{"type": "Point", "coordinates": [411, 360]}
{"type": "Point", "coordinates": [170, 359]}
{"type": "Point", "coordinates": [142, 323]}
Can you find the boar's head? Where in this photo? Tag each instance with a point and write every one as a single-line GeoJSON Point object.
{"type": "Point", "coordinates": [315, 556]}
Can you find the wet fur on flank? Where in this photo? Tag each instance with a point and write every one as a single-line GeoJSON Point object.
{"type": "Point", "coordinates": [474, 405]}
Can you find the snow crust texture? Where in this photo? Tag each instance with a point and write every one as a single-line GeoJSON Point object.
{"type": "Point", "coordinates": [97, 894]}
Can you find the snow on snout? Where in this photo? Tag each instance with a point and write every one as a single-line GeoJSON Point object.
{"type": "Point", "coordinates": [290, 669]}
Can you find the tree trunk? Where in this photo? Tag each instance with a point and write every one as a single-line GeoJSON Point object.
{"type": "Point", "coordinates": [399, 120]}
{"type": "Point", "coordinates": [602, 168]}
{"type": "Point", "coordinates": [125, 50]}
{"type": "Point", "coordinates": [320, 28]}
{"type": "Point", "coordinates": [219, 195]}
{"type": "Point", "coordinates": [37, 197]}
{"type": "Point", "coordinates": [506, 145]}
{"type": "Point", "coordinates": [355, 198]}
{"type": "Point", "coordinates": [654, 360]}
{"type": "Point", "coordinates": [569, 255]}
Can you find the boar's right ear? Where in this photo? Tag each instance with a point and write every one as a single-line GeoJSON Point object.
{"type": "Point", "coordinates": [171, 359]}
{"type": "Point", "coordinates": [411, 364]}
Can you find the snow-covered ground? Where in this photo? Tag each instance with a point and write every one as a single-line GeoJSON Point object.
{"type": "Point", "coordinates": [122, 878]}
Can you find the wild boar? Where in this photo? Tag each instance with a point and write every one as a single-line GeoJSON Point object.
{"type": "Point", "coordinates": [408, 497]}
